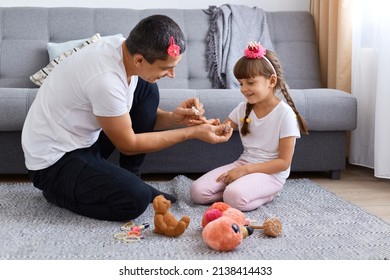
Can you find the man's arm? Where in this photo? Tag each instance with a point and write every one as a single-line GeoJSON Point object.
{"type": "Point", "coordinates": [119, 130]}
{"type": "Point", "coordinates": [165, 120]}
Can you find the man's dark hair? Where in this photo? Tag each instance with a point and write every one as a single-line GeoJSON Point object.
{"type": "Point", "coordinates": [151, 37]}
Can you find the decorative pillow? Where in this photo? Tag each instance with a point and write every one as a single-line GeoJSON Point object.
{"type": "Point", "coordinates": [39, 77]}
{"type": "Point", "coordinates": [56, 49]}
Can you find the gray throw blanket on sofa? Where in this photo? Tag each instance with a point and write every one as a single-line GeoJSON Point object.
{"type": "Point", "coordinates": [231, 28]}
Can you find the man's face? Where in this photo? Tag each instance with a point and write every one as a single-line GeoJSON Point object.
{"type": "Point", "coordinates": [159, 69]}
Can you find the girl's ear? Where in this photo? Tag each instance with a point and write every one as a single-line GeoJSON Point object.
{"type": "Point", "coordinates": [273, 80]}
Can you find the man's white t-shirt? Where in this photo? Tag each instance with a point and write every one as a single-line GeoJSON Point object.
{"type": "Point", "coordinates": [62, 118]}
{"type": "Point", "coordinates": [262, 143]}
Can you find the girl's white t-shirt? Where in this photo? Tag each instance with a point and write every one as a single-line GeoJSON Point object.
{"type": "Point", "coordinates": [262, 143]}
{"type": "Point", "coordinates": [62, 118]}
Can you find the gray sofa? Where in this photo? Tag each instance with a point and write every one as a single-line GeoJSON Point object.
{"type": "Point", "coordinates": [25, 32]}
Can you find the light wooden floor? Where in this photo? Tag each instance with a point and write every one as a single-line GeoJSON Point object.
{"type": "Point", "coordinates": [357, 185]}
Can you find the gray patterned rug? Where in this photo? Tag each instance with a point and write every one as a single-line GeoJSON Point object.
{"type": "Point", "coordinates": [316, 225]}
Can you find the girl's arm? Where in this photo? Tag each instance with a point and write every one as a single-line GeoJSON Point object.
{"type": "Point", "coordinates": [286, 152]}
{"type": "Point", "coordinates": [232, 123]}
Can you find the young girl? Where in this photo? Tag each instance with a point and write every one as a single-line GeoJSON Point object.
{"type": "Point", "coordinates": [268, 129]}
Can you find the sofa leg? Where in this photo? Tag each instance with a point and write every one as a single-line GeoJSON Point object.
{"type": "Point", "coordinates": [335, 174]}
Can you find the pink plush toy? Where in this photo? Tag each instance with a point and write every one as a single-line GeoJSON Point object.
{"type": "Point", "coordinates": [224, 227]}
{"type": "Point", "coordinates": [219, 209]}
{"type": "Point", "coordinates": [213, 212]}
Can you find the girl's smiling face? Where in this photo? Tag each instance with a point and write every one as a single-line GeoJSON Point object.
{"type": "Point", "coordinates": [257, 89]}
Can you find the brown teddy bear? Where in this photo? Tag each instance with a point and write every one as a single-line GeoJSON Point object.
{"type": "Point", "coordinates": [164, 222]}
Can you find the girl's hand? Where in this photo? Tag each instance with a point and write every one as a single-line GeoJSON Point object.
{"type": "Point", "coordinates": [232, 175]}
{"type": "Point", "coordinates": [212, 133]}
{"type": "Point", "coordinates": [211, 121]}
{"type": "Point", "coordinates": [227, 130]}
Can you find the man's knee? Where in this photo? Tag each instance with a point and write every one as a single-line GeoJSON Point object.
{"type": "Point", "coordinates": [129, 203]}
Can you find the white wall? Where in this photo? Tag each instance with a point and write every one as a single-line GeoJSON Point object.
{"type": "Point", "coordinates": [269, 5]}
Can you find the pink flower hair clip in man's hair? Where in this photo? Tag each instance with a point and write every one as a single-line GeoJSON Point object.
{"type": "Point", "coordinates": [255, 50]}
{"type": "Point", "coordinates": [173, 49]}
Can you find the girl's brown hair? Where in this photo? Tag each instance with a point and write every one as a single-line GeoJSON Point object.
{"type": "Point", "coordinates": [246, 68]}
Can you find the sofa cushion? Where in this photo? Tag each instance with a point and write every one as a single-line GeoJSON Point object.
{"type": "Point", "coordinates": [294, 39]}
{"type": "Point", "coordinates": [14, 105]}
{"type": "Point", "coordinates": [326, 109]}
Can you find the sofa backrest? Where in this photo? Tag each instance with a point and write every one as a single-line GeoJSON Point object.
{"type": "Point", "coordinates": [25, 32]}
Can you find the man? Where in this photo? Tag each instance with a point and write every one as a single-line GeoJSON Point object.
{"type": "Point", "coordinates": [102, 98]}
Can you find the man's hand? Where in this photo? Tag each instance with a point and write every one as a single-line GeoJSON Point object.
{"type": "Point", "coordinates": [190, 112]}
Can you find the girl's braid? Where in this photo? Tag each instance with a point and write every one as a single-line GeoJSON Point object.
{"type": "Point", "coordinates": [246, 120]}
{"type": "Point", "coordinates": [281, 83]}
{"type": "Point", "coordinates": [301, 121]}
